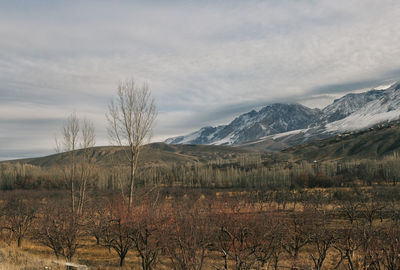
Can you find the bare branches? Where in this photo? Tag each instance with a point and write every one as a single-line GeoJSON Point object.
{"type": "Point", "coordinates": [131, 116]}
{"type": "Point", "coordinates": [76, 133]}
{"type": "Point", "coordinates": [88, 140]}
{"type": "Point", "coordinates": [88, 137]}
{"type": "Point", "coordinates": [60, 230]}
{"type": "Point", "coordinates": [70, 133]}
{"type": "Point", "coordinates": [18, 218]}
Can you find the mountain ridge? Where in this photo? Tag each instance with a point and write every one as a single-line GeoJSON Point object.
{"type": "Point", "coordinates": [296, 124]}
{"type": "Point", "coordinates": [272, 119]}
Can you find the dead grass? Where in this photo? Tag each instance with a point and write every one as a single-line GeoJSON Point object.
{"type": "Point", "coordinates": [13, 258]}
{"type": "Point", "coordinates": [35, 256]}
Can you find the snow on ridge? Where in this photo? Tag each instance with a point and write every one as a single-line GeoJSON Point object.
{"type": "Point", "coordinates": [292, 132]}
{"type": "Point", "coordinates": [359, 121]}
{"type": "Point", "coordinates": [384, 86]}
{"type": "Point", "coordinates": [227, 140]}
{"type": "Point", "coordinates": [192, 136]}
{"type": "Point", "coordinates": [375, 112]}
{"type": "Point", "coordinates": [186, 138]}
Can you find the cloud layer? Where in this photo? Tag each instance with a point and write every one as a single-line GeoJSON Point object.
{"type": "Point", "coordinates": [205, 61]}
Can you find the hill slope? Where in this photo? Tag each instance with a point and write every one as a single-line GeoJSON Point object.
{"type": "Point", "coordinates": [373, 143]}
{"type": "Point", "coordinates": [155, 154]}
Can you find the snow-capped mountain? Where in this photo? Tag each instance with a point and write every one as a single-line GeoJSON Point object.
{"type": "Point", "coordinates": [201, 136]}
{"type": "Point", "coordinates": [382, 106]}
{"type": "Point", "coordinates": [291, 124]}
{"type": "Point", "coordinates": [348, 104]}
{"type": "Point", "coordinates": [273, 119]}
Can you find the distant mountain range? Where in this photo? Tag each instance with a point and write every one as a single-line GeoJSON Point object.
{"type": "Point", "coordinates": [279, 126]}
{"type": "Point", "coordinates": [376, 142]}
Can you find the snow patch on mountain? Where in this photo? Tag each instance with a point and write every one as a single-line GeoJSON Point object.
{"type": "Point", "coordinates": [385, 108]}
{"type": "Point", "coordinates": [293, 132]}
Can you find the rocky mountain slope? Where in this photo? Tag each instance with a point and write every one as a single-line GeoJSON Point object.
{"type": "Point", "coordinates": [273, 119]}
{"type": "Point", "coordinates": [278, 126]}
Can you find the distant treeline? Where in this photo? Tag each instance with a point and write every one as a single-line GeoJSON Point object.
{"type": "Point", "coordinates": [255, 172]}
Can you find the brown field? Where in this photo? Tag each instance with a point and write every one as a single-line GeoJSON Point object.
{"type": "Point", "coordinates": [198, 217]}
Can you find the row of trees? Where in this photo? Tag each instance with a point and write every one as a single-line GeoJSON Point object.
{"type": "Point", "coordinates": [264, 174]}
{"type": "Point", "coordinates": [230, 174]}
{"type": "Point", "coordinates": [224, 233]}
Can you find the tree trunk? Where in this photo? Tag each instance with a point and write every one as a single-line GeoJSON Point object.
{"type": "Point", "coordinates": [132, 182]}
{"type": "Point", "coordinates": [225, 260]}
{"type": "Point", "coordinates": [276, 260]}
{"type": "Point", "coordinates": [134, 160]}
{"type": "Point", "coordinates": [121, 260]}
{"type": "Point", "coordinates": [72, 181]}
{"type": "Point", "coordinates": [97, 240]}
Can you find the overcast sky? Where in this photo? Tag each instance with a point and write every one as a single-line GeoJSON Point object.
{"type": "Point", "coordinates": [205, 61]}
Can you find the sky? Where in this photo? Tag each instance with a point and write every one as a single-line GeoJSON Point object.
{"type": "Point", "coordinates": [205, 61]}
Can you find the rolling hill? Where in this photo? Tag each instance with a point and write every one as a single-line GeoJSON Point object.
{"type": "Point", "coordinates": [154, 154]}
{"type": "Point", "coordinates": [375, 142]}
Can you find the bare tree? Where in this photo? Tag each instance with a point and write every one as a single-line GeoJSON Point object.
{"type": "Point", "coordinates": [77, 135]}
{"type": "Point", "coordinates": [187, 238]}
{"type": "Point", "coordinates": [146, 233]}
{"type": "Point", "coordinates": [18, 218]}
{"type": "Point", "coordinates": [391, 250]}
{"type": "Point", "coordinates": [117, 230]}
{"type": "Point", "coordinates": [234, 240]}
{"type": "Point", "coordinates": [131, 116]}
{"type": "Point", "coordinates": [322, 238]}
{"type": "Point", "coordinates": [267, 239]}
{"type": "Point", "coordinates": [69, 144]}
{"type": "Point", "coordinates": [297, 230]}
{"type": "Point", "coordinates": [59, 229]}
{"type": "Point", "coordinates": [88, 140]}
{"type": "Point", "coordinates": [349, 209]}
{"type": "Point", "coordinates": [346, 245]}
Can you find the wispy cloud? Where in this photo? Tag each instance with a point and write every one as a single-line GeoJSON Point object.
{"type": "Point", "coordinates": [204, 60]}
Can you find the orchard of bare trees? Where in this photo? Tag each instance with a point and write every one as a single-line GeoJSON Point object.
{"type": "Point", "coordinates": [207, 230]}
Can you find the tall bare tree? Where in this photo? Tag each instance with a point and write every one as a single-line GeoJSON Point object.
{"type": "Point", "coordinates": [88, 140]}
{"type": "Point", "coordinates": [77, 135]}
{"type": "Point", "coordinates": [69, 143]}
{"type": "Point", "coordinates": [131, 116]}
